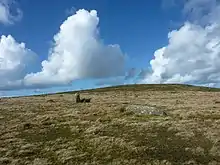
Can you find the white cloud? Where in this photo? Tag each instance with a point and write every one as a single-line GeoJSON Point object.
{"type": "Point", "coordinates": [79, 53]}
{"type": "Point", "coordinates": [196, 11]}
{"type": "Point", "coordinates": [201, 11]}
{"type": "Point", "coordinates": [15, 62]}
{"type": "Point", "coordinates": [6, 17]}
{"type": "Point", "coordinates": [193, 53]}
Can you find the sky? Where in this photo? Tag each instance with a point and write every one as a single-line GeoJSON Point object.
{"type": "Point", "coordinates": [66, 45]}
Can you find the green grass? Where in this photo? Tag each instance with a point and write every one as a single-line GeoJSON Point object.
{"type": "Point", "coordinates": [104, 131]}
{"type": "Point", "coordinates": [150, 87]}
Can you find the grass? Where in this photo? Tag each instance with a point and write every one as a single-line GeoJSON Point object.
{"type": "Point", "coordinates": [151, 87]}
{"type": "Point", "coordinates": [53, 129]}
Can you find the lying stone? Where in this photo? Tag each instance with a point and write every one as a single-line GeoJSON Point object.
{"type": "Point", "coordinates": [146, 110]}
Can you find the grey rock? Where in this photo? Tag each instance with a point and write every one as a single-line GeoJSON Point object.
{"type": "Point", "coordinates": [146, 110]}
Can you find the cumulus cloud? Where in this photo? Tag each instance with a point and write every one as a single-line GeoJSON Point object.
{"type": "Point", "coordinates": [6, 8]}
{"type": "Point", "coordinates": [196, 11]}
{"type": "Point", "coordinates": [201, 11]}
{"type": "Point", "coordinates": [193, 53]}
{"type": "Point", "coordinates": [79, 53]}
{"type": "Point", "coordinates": [15, 62]}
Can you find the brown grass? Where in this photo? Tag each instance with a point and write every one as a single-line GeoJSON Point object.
{"type": "Point", "coordinates": [53, 129]}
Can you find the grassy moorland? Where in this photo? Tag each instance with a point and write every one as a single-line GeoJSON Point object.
{"type": "Point", "coordinates": [115, 128]}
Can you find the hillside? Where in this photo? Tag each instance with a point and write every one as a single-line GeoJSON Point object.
{"type": "Point", "coordinates": [126, 125]}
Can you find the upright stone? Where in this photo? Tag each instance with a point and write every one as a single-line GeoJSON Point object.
{"type": "Point", "coordinates": [77, 97]}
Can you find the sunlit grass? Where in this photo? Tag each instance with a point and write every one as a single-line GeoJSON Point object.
{"type": "Point", "coordinates": [59, 131]}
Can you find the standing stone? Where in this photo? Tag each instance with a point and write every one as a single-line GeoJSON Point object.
{"type": "Point", "coordinates": [77, 97]}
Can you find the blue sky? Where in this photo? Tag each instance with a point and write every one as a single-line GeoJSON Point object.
{"type": "Point", "coordinates": [140, 28]}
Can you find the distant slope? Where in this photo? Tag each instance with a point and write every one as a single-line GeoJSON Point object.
{"type": "Point", "coordinates": [139, 87]}
{"type": "Point", "coordinates": [151, 87]}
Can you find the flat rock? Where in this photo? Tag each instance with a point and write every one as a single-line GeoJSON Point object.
{"type": "Point", "coordinates": [146, 110]}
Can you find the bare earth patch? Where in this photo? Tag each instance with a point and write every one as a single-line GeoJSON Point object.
{"type": "Point", "coordinates": [128, 125]}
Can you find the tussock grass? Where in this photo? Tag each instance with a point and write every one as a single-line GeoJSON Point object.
{"type": "Point", "coordinates": [36, 130]}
